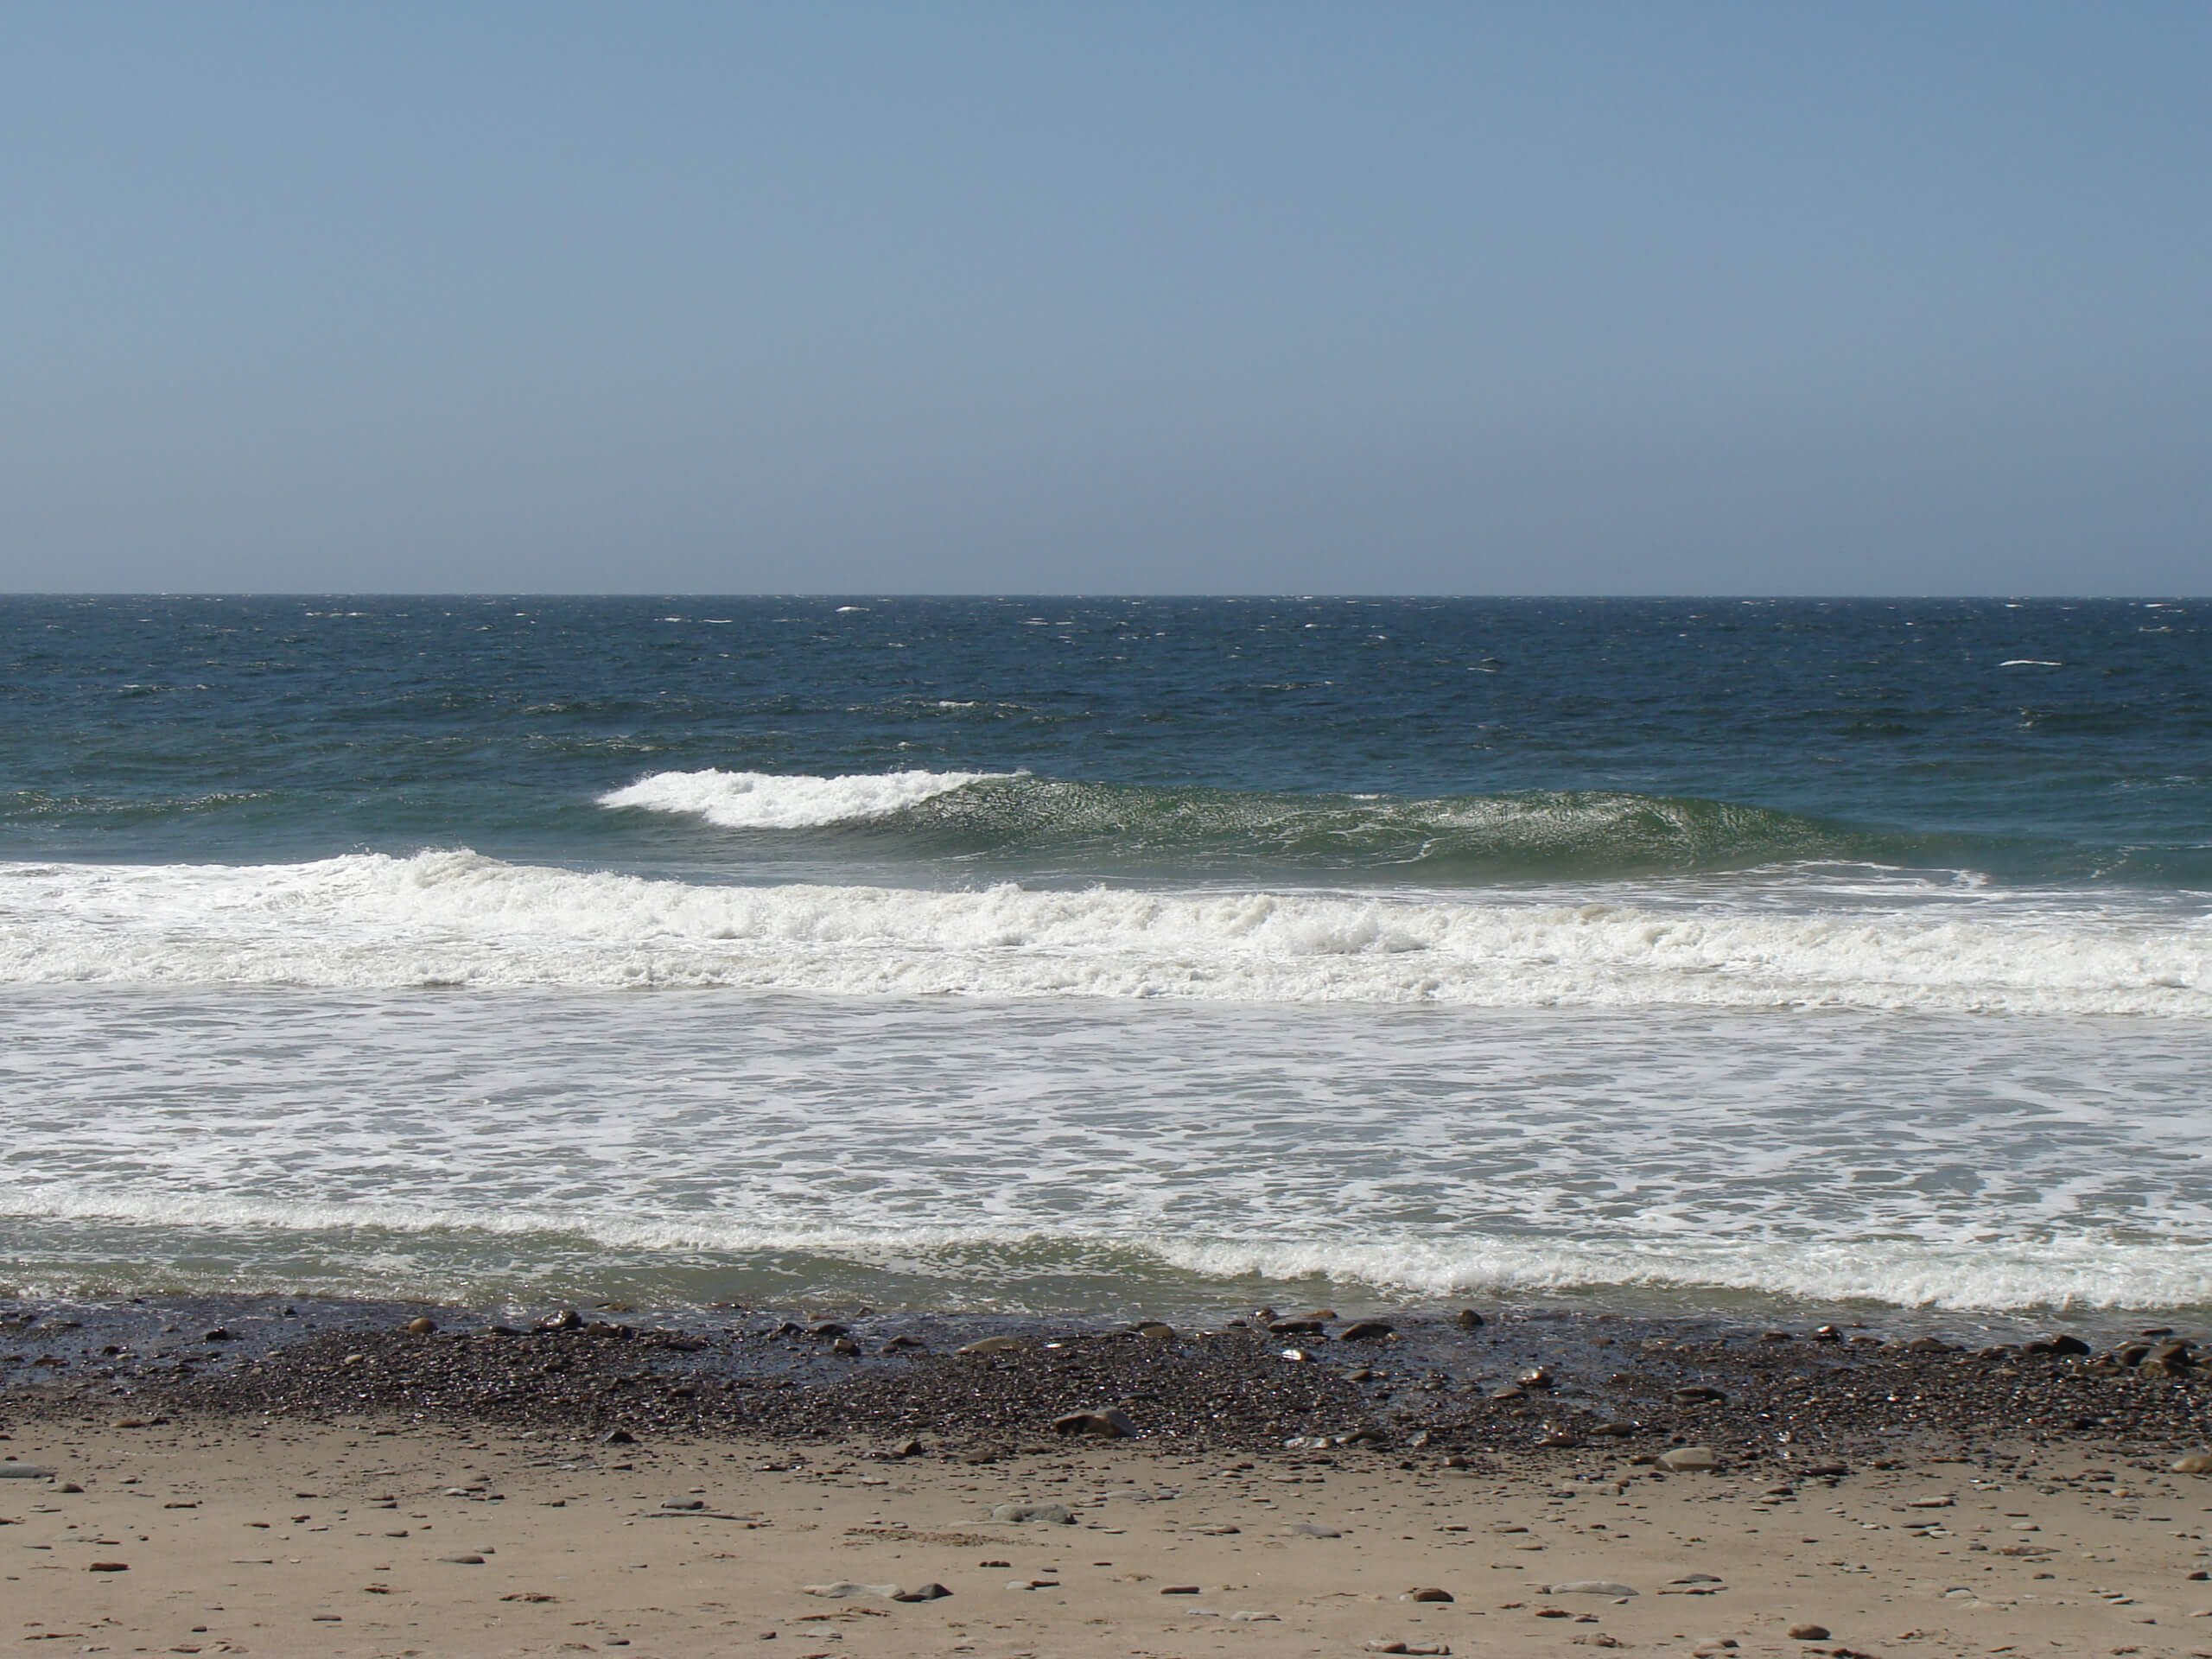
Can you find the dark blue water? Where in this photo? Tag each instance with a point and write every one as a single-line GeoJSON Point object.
{"type": "Point", "coordinates": [2033, 742]}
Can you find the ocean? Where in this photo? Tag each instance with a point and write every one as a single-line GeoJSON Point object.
{"type": "Point", "coordinates": [1741, 956]}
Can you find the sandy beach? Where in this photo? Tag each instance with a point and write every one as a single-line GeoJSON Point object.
{"type": "Point", "coordinates": [355, 1538]}
{"type": "Point", "coordinates": [583, 1485]}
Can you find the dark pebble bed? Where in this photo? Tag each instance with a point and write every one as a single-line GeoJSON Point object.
{"type": "Point", "coordinates": [1427, 1387]}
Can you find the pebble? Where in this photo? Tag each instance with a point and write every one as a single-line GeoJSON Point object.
{"type": "Point", "coordinates": [1180, 1590]}
{"type": "Point", "coordinates": [838, 1590]}
{"type": "Point", "coordinates": [1808, 1633]}
{"type": "Point", "coordinates": [1057, 1514]}
{"type": "Point", "coordinates": [1112, 1424]}
{"type": "Point", "coordinates": [2196, 1462]}
{"type": "Point", "coordinates": [1430, 1593]}
{"type": "Point", "coordinates": [1310, 1529]}
{"type": "Point", "coordinates": [415, 1328]}
{"type": "Point", "coordinates": [1589, 1587]}
{"type": "Point", "coordinates": [994, 1345]}
{"type": "Point", "coordinates": [1687, 1459]}
{"type": "Point", "coordinates": [109, 1566]}
{"type": "Point", "coordinates": [25, 1472]}
{"type": "Point", "coordinates": [462, 1561]}
{"type": "Point", "coordinates": [1366, 1330]}
{"type": "Point", "coordinates": [1157, 1331]}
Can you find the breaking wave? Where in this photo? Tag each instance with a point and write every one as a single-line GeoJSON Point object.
{"type": "Point", "coordinates": [370, 921]}
{"type": "Point", "coordinates": [1120, 826]}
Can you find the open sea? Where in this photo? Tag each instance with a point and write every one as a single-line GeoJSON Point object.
{"type": "Point", "coordinates": [1080, 955]}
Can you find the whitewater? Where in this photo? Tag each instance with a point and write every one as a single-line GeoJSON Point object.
{"type": "Point", "coordinates": [1766, 959]}
{"type": "Point", "coordinates": [460, 920]}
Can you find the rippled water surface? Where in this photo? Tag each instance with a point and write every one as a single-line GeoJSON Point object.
{"type": "Point", "coordinates": [1081, 955]}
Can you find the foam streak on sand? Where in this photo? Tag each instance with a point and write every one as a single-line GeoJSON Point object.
{"type": "Point", "coordinates": [371, 921]}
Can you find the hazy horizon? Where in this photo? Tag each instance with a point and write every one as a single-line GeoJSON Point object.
{"type": "Point", "coordinates": [1710, 299]}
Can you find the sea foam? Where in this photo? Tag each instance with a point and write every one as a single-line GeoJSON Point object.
{"type": "Point", "coordinates": [370, 921]}
{"type": "Point", "coordinates": [759, 800]}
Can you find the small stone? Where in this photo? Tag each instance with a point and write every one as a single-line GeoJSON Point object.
{"type": "Point", "coordinates": [1808, 1633]}
{"type": "Point", "coordinates": [1591, 1587]}
{"type": "Point", "coordinates": [1157, 1331]}
{"type": "Point", "coordinates": [1298, 1328]}
{"type": "Point", "coordinates": [839, 1589]}
{"type": "Point", "coordinates": [994, 1345]}
{"type": "Point", "coordinates": [682, 1503]}
{"type": "Point", "coordinates": [1310, 1529]}
{"type": "Point", "coordinates": [1429, 1594]}
{"type": "Point", "coordinates": [1696, 1394]}
{"type": "Point", "coordinates": [1688, 1460]}
{"type": "Point", "coordinates": [899, 1344]}
{"type": "Point", "coordinates": [1366, 1330]}
{"type": "Point", "coordinates": [1931, 1503]}
{"type": "Point", "coordinates": [1256, 1618]}
{"type": "Point", "coordinates": [1217, 1531]}
{"type": "Point", "coordinates": [415, 1328]}
{"type": "Point", "coordinates": [1469, 1319]}
{"type": "Point", "coordinates": [846, 1346]}
{"type": "Point", "coordinates": [618, 1437]}
{"type": "Point", "coordinates": [1112, 1424]}
{"type": "Point", "coordinates": [1180, 1590]}
{"type": "Point", "coordinates": [1053, 1514]}
{"type": "Point", "coordinates": [827, 1328]}
{"type": "Point", "coordinates": [462, 1561]}
{"type": "Point", "coordinates": [25, 1472]}
{"type": "Point", "coordinates": [909, 1449]}
{"type": "Point", "coordinates": [2196, 1463]}
{"type": "Point", "coordinates": [109, 1566]}
{"type": "Point", "coordinates": [569, 1319]}
{"type": "Point", "coordinates": [1537, 1377]}
{"type": "Point", "coordinates": [221, 1334]}
{"type": "Point", "coordinates": [930, 1592]}
{"type": "Point", "coordinates": [2056, 1344]}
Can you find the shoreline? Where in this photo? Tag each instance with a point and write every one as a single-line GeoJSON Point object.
{"type": "Point", "coordinates": [740, 1482]}
{"type": "Point", "coordinates": [1424, 1383]}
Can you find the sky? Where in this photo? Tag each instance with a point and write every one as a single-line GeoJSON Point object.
{"type": "Point", "coordinates": [1196, 298]}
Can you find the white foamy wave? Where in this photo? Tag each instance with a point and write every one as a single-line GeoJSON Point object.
{"type": "Point", "coordinates": [761, 800]}
{"type": "Point", "coordinates": [2080, 1273]}
{"type": "Point", "coordinates": [2066, 1273]}
{"type": "Point", "coordinates": [456, 919]}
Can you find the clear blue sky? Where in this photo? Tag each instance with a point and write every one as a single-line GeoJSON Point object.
{"type": "Point", "coordinates": [1194, 297]}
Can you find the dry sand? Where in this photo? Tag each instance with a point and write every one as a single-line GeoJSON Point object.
{"type": "Point", "coordinates": [317, 1539]}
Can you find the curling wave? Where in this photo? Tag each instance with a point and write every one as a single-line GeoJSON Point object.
{"type": "Point", "coordinates": [1119, 826]}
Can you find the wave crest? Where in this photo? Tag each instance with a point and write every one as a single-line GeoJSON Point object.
{"type": "Point", "coordinates": [457, 918]}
